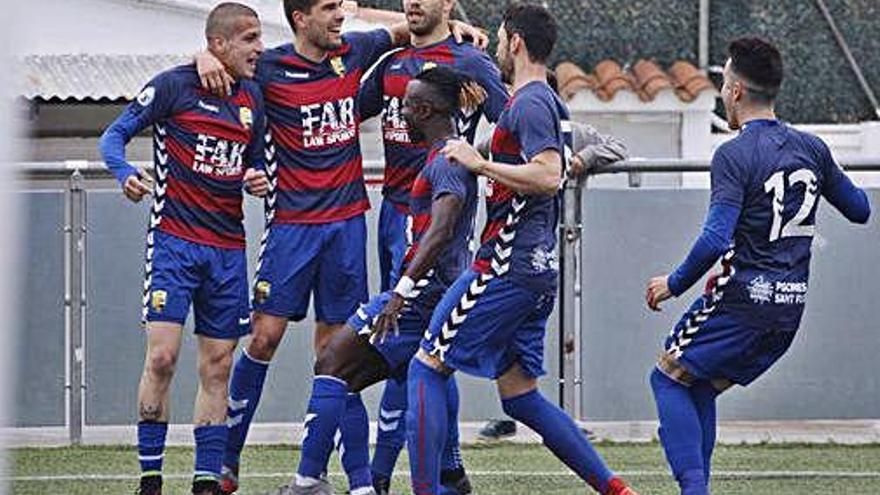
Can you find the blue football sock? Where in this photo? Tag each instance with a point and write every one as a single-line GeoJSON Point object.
{"type": "Point", "coordinates": [151, 446]}
{"type": "Point", "coordinates": [391, 434]}
{"type": "Point", "coordinates": [451, 458]}
{"type": "Point", "coordinates": [680, 433]}
{"type": "Point", "coordinates": [355, 443]}
{"type": "Point", "coordinates": [561, 435]}
{"type": "Point", "coordinates": [210, 445]}
{"type": "Point", "coordinates": [324, 415]}
{"type": "Point", "coordinates": [704, 395]}
{"type": "Point", "coordinates": [245, 389]}
{"type": "Point", "coordinates": [426, 427]}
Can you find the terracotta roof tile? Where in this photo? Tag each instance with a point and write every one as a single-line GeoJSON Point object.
{"type": "Point", "coordinates": [575, 79]}
{"type": "Point", "coordinates": [645, 78]}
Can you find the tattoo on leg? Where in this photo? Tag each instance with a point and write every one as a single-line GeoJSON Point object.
{"type": "Point", "coordinates": [150, 412]}
{"type": "Point", "coordinates": [209, 422]}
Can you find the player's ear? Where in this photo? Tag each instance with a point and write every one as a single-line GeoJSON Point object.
{"type": "Point", "coordinates": [516, 43]}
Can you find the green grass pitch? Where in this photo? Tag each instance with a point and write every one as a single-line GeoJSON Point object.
{"type": "Point", "coordinates": [495, 469]}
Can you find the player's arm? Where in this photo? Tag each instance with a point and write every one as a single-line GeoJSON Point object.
{"type": "Point", "coordinates": [395, 23]}
{"type": "Point", "coordinates": [481, 68]}
{"type": "Point", "coordinates": [151, 105]}
{"type": "Point", "coordinates": [539, 177]}
{"type": "Point", "coordinates": [714, 240]}
{"type": "Point", "coordinates": [256, 182]}
{"type": "Point", "coordinates": [593, 149]}
{"type": "Point", "coordinates": [445, 211]}
{"type": "Point", "coordinates": [371, 91]}
{"type": "Point", "coordinates": [850, 200]}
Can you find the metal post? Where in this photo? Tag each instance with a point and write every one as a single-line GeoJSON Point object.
{"type": "Point", "coordinates": [569, 338]}
{"type": "Point", "coordinates": [74, 301]}
{"type": "Point", "coordinates": [704, 35]}
{"type": "Point", "coordinates": [853, 64]}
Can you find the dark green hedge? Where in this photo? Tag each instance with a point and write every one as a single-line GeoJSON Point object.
{"type": "Point", "coordinates": [819, 85]}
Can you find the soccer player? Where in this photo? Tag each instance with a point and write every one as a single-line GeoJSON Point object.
{"type": "Point", "coordinates": [315, 238]}
{"type": "Point", "coordinates": [205, 149]}
{"type": "Point", "coordinates": [443, 204]}
{"type": "Point", "coordinates": [491, 322]}
{"type": "Point", "coordinates": [431, 44]}
{"type": "Point", "coordinates": [766, 183]}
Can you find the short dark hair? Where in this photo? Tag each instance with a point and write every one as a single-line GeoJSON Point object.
{"type": "Point", "coordinates": [758, 62]}
{"type": "Point", "coordinates": [221, 19]}
{"type": "Point", "coordinates": [303, 6]}
{"type": "Point", "coordinates": [537, 27]}
{"type": "Point", "coordinates": [446, 86]}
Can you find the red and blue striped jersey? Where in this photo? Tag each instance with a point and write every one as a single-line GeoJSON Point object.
{"type": "Point", "coordinates": [383, 93]}
{"type": "Point", "coordinates": [312, 151]}
{"type": "Point", "coordinates": [531, 123]}
{"type": "Point", "coordinates": [202, 145]}
{"type": "Point", "coordinates": [437, 178]}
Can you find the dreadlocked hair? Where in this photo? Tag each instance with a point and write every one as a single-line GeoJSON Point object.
{"type": "Point", "coordinates": [452, 90]}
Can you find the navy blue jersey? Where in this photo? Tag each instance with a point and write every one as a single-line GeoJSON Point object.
{"type": "Point", "coordinates": [383, 92]}
{"type": "Point", "coordinates": [532, 122]}
{"type": "Point", "coordinates": [313, 119]}
{"type": "Point", "coordinates": [437, 178]}
{"type": "Point", "coordinates": [202, 146]}
{"type": "Point", "coordinates": [775, 174]}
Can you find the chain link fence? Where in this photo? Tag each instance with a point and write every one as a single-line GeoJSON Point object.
{"type": "Point", "coordinates": [819, 88]}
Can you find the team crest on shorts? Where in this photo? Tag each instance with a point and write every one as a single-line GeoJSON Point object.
{"type": "Point", "coordinates": [158, 298]}
{"type": "Point", "coordinates": [428, 66]}
{"type": "Point", "coordinates": [246, 117]}
{"type": "Point", "coordinates": [262, 291]}
{"type": "Point", "coordinates": [338, 66]}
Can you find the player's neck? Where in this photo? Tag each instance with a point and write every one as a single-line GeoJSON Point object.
{"type": "Point", "coordinates": [309, 51]}
{"type": "Point", "coordinates": [440, 33]}
{"type": "Point", "coordinates": [438, 130]}
{"type": "Point", "coordinates": [755, 113]}
{"type": "Point", "coordinates": [526, 72]}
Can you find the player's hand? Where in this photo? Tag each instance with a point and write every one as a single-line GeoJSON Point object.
{"type": "Point", "coordinates": [213, 74]}
{"type": "Point", "coordinates": [576, 167]}
{"type": "Point", "coordinates": [658, 291]}
{"type": "Point", "coordinates": [460, 151]}
{"type": "Point", "coordinates": [461, 30]}
{"type": "Point", "coordinates": [387, 319]}
{"type": "Point", "coordinates": [350, 8]}
{"type": "Point", "coordinates": [138, 185]}
{"type": "Point", "coordinates": [256, 182]}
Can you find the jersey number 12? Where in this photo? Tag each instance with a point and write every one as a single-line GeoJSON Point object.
{"type": "Point", "coordinates": [794, 227]}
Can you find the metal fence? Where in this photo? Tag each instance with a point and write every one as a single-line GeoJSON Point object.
{"type": "Point", "coordinates": [100, 251]}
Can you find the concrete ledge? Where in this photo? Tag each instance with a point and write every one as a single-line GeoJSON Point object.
{"type": "Point", "coordinates": [848, 432]}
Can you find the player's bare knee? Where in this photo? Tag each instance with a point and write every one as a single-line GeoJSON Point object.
{"type": "Point", "coordinates": [263, 345]}
{"type": "Point", "coordinates": [328, 363]}
{"type": "Point", "coordinates": [161, 362]}
{"type": "Point", "coordinates": [515, 382]}
{"type": "Point", "coordinates": [214, 369]}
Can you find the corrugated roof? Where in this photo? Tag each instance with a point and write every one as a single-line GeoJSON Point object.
{"type": "Point", "coordinates": [645, 78]}
{"type": "Point", "coordinates": [92, 77]}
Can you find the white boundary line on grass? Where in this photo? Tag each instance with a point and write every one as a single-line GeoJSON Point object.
{"type": "Point", "coordinates": [527, 474]}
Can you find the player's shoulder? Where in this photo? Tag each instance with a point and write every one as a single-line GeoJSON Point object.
{"type": "Point", "coordinates": [180, 76]}
{"type": "Point", "coordinates": [535, 96]}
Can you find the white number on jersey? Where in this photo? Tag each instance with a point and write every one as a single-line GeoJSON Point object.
{"type": "Point", "coordinates": [794, 227]}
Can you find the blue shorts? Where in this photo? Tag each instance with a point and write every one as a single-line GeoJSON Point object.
{"type": "Point", "coordinates": [213, 280]}
{"type": "Point", "coordinates": [397, 349]}
{"type": "Point", "coordinates": [328, 260]}
{"type": "Point", "coordinates": [393, 242]}
{"type": "Point", "coordinates": [483, 328]}
{"type": "Point", "coordinates": [712, 344]}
